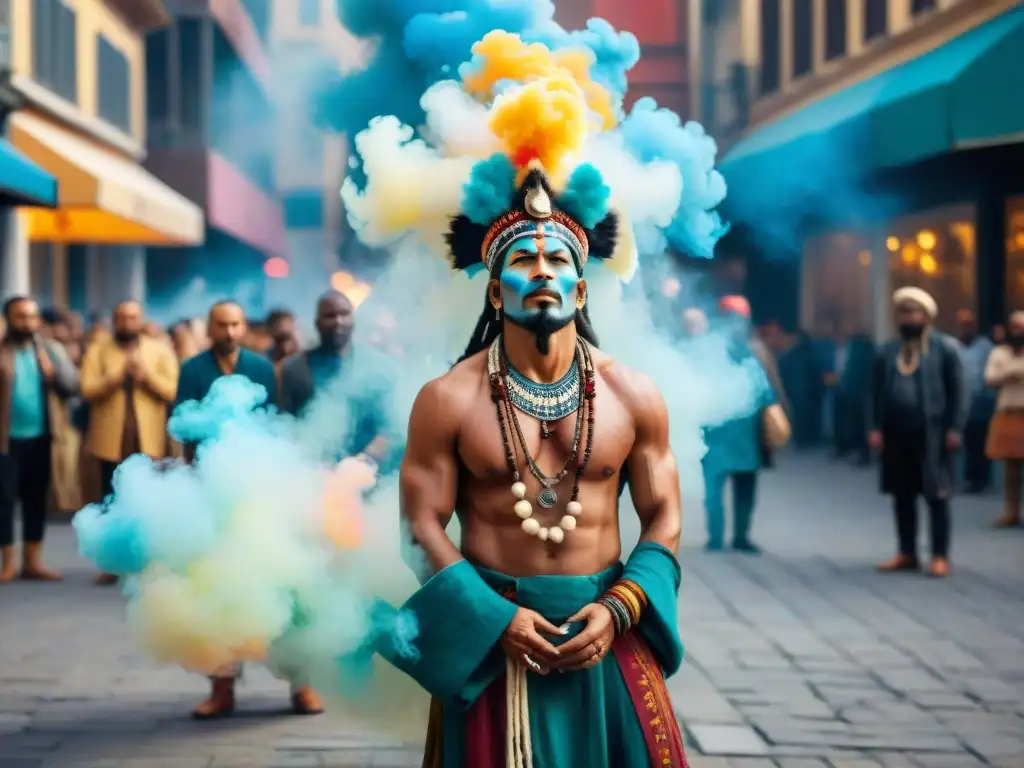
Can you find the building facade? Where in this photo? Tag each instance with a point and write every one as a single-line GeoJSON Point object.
{"type": "Point", "coordinates": [870, 145]}
{"type": "Point", "coordinates": [213, 125]}
{"type": "Point", "coordinates": [77, 67]}
{"type": "Point", "coordinates": [663, 29]}
{"type": "Point", "coordinates": [308, 41]}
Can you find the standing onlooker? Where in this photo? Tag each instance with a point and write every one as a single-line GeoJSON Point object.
{"type": "Point", "coordinates": [974, 353]}
{"type": "Point", "coordinates": [800, 370]}
{"type": "Point", "coordinates": [853, 397]}
{"type": "Point", "coordinates": [918, 417]}
{"type": "Point", "coordinates": [283, 334]}
{"type": "Point", "coordinates": [226, 357]}
{"type": "Point", "coordinates": [737, 449]}
{"type": "Point", "coordinates": [128, 380]}
{"type": "Point", "coordinates": [36, 378]}
{"type": "Point", "coordinates": [1005, 371]}
{"type": "Point", "coordinates": [831, 350]}
{"type": "Point", "coordinates": [365, 376]}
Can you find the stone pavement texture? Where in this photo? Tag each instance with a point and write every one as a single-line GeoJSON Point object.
{"type": "Point", "coordinates": [801, 658]}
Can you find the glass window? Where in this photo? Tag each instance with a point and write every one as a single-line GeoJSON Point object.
{"type": "Point", "coordinates": [309, 12]}
{"type": "Point", "coordinates": [876, 18]}
{"type": "Point", "coordinates": [835, 29]}
{"type": "Point", "coordinates": [1015, 253]}
{"type": "Point", "coordinates": [114, 85]}
{"type": "Point", "coordinates": [54, 47]}
{"type": "Point", "coordinates": [191, 57]}
{"type": "Point", "coordinates": [920, 6]}
{"type": "Point", "coordinates": [837, 284]}
{"type": "Point", "coordinates": [157, 65]}
{"type": "Point", "coordinates": [803, 37]}
{"type": "Point", "coordinates": [936, 251]}
{"type": "Point", "coordinates": [770, 46]}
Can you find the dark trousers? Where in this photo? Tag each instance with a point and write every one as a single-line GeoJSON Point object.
{"type": "Point", "coordinates": [107, 469]}
{"type": "Point", "coordinates": [744, 497]}
{"type": "Point", "coordinates": [906, 525]}
{"type": "Point", "coordinates": [24, 477]}
{"type": "Point", "coordinates": [850, 425]}
{"type": "Point", "coordinates": [977, 467]}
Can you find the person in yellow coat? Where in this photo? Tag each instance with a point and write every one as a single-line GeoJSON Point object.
{"type": "Point", "coordinates": [129, 381]}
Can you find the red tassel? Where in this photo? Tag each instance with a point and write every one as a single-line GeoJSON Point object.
{"type": "Point", "coordinates": [524, 156]}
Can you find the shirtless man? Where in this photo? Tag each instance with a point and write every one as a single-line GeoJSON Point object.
{"type": "Point", "coordinates": [538, 574]}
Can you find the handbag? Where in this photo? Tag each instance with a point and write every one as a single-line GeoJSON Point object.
{"type": "Point", "coordinates": [777, 430]}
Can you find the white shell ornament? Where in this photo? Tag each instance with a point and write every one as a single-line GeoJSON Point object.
{"type": "Point", "coordinates": [555, 535]}
{"type": "Point", "coordinates": [574, 508]}
{"type": "Point", "coordinates": [531, 526]}
{"type": "Point", "coordinates": [568, 523]}
{"type": "Point", "coordinates": [519, 490]}
{"type": "Point", "coordinates": [542, 534]}
{"type": "Point", "coordinates": [524, 508]}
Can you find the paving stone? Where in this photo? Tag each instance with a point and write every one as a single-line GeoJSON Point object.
{"type": "Point", "coordinates": [726, 740]}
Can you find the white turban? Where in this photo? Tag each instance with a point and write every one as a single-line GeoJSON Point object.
{"type": "Point", "coordinates": [918, 296]}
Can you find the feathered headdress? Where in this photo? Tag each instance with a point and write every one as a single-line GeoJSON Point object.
{"type": "Point", "coordinates": [530, 113]}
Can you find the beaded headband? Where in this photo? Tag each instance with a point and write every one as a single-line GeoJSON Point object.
{"type": "Point", "coordinates": [516, 224]}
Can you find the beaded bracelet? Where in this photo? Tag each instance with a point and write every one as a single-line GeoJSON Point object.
{"type": "Point", "coordinates": [626, 602]}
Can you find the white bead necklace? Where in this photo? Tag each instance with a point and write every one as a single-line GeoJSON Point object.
{"type": "Point", "coordinates": [507, 418]}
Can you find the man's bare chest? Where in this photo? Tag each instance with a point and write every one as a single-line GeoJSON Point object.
{"type": "Point", "coordinates": [486, 443]}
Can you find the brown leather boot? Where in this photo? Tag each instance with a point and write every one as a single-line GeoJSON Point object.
{"type": "Point", "coordinates": [305, 701]}
{"type": "Point", "coordinates": [8, 569]}
{"type": "Point", "coordinates": [1008, 520]}
{"type": "Point", "coordinates": [939, 568]}
{"type": "Point", "coordinates": [32, 568]}
{"type": "Point", "coordinates": [897, 564]}
{"type": "Point", "coordinates": [220, 702]}
{"type": "Point", "coordinates": [105, 580]}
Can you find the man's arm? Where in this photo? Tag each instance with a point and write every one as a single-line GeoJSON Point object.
{"type": "Point", "coordinates": [428, 478]}
{"type": "Point", "coordinates": [96, 385]}
{"type": "Point", "coordinates": [162, 381]}
{"type": "Point", "coordinates": [652, 470]}
{"type": "Point", "coordinates": [65, 375]}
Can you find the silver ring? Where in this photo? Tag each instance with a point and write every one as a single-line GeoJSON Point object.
{"type": "Point", "coordinates": [531, 663]}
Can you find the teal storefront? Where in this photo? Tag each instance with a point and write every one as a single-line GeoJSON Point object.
{"type": "Point", "coordinates": [920, 168]}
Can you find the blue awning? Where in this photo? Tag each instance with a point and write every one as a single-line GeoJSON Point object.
{"type": "Point", "coordinates": [964, 93]}
{"type": "Point", "coordinates": [22, 182]}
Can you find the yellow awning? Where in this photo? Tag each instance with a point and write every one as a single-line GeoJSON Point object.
{"type": "Point", "coordinates": [103, 197]}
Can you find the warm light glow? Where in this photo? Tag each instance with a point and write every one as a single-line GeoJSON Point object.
{"type": "Point", "coordinates": [276, 267]}
{"type": "Point", "coordinates": [927, 239]}
{"type": "Point", "coordinates": [892, 243]}
{"type": "Point", "coordinates": [864, 257]}
{"type": "Point", "coordinates": [928, 264]}
{"type": "Point", "coordinates": [909, 254]}
{"type": "Point", "coordinates": [670, 287]}
{"type": "Point", "coordinates": [1018, 241]}
{"type": "Point", "coordinates": [357, 293]}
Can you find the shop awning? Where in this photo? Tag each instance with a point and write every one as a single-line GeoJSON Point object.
{"type": "Point", "coordinates": [962, 94]}
{"type": "Point", "coordinates": [22, 182]}
{"type": "Point", "coordinates": [103, 196]}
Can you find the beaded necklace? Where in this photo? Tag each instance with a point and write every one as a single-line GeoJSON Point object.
{"type": "Point", "coordinates": [544, 402]}
{"type": "Point", "coordinates": [508, 424]}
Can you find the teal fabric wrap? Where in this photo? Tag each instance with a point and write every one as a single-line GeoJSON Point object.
{"type": "Point", "coordinates": [656, 571]}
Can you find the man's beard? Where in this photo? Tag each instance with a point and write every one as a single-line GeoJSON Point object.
{"type": "Point", "coordinates": [19, 335]}
{"type": "Point", "coordinates": [543, 325]}
{"type": "Point", "coordinates": [225, 348]}
{"type": "Point", "coordinates": [125, 337]}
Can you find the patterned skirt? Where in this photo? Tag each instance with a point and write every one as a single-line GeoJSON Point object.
{"type": "Point", "coordinates": [1006, 436]}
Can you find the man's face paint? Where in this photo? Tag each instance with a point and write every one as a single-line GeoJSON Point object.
{"type": "Point", "coordinates": [539, 283]}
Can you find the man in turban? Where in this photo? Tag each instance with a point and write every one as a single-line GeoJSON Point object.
{"type": "Point", "coordinates": [919, 412]}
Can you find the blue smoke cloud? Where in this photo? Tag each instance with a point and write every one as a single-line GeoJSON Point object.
{"type": "Point", "coordinates": [420, 42]}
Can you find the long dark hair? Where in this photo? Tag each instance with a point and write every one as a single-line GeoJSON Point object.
{"type": "Point", "coordinates": [490, 323]}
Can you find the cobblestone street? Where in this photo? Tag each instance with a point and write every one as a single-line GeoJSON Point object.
{"type": "Point", "coordinates": [801, 658]}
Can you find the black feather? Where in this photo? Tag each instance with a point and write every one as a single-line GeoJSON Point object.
{"type": "Point", "coordinates": [465, 240]}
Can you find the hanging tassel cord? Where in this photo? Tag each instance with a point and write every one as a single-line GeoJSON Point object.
{"type": "Point", "coordinates": [518, 743]}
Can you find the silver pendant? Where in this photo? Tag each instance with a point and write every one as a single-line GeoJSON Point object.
{"type": "Point", "coordinates": [547, 498]}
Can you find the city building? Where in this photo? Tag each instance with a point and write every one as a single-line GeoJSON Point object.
{"type": "Point", "coordinates": [213, 126]}
{"type": "Point", "coordinates": [76, 68]}
{"type": "Point", "coordinates": [869, 145]}
{"type": "Point", "coordinates": [308, 42]}
{"type": "Point", "coordinates": [663, 29]}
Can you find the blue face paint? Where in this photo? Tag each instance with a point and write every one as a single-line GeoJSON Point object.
{"type": "Point", "coordinates": [517, 280]}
